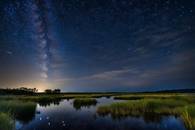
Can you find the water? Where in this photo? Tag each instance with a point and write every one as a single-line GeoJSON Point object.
{"type": "Point", "coordinates": [64, 116]}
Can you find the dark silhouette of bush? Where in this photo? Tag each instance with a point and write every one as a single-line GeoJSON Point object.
{"type": "Point", "coordinates": [55, 91]}
{"type": "Point", "coordinates": [48, 91]}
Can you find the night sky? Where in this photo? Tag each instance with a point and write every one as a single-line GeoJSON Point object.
{"type": "Point", "coordinates": [97, 45]}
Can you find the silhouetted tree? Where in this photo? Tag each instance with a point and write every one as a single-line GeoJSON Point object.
{"type": "Point", "coordinates": [48, 91]}
{"type": "Point", "coordinates": [56, 91]}
{"type": "Point", "coordinates": [19, 91]}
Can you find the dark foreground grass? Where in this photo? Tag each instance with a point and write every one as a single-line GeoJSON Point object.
{"type": "Point", "coordinates": [6, 122]}
{"type": "Point", "coordinates": [84, 102]}
{"type": "Point", "coordinates": [16, 109]}
{"type": "Point", "coordinates": [182, 106]}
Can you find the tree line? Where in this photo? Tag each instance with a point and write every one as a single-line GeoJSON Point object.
{"type": "Point", "coordinates": [26, 91]}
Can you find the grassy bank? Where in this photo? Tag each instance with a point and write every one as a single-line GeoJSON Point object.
{"type": "Point", "coordinates": [42, 97]}
{"type": "Point", "coordinates": [147, 96]}
{"type": "Point", "coordinates": [182, 106]}
{"type": "Point", "coordinates": [6, 122]}
{"type": "Point", "coordinates": [47, 99]}
{"type": "Point", "coordinates": [20, 110]}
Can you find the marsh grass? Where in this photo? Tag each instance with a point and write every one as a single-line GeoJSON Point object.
{"type": "Point", "coordinates": [84, 102]}
{"type": "Point", "coordinates": [182, 106]}
{"type": "Point", "coordinates": [20, 110]}
{"type": "Point", "coordinates": [6, 122]}
{"type": "Point", "coordinates": [150, 96]}
{"type": "Point", "coordinates": [50, 97]}
{"type": "Point", "coordinates": [187, 113]}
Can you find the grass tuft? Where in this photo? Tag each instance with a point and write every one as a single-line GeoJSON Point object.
{"type": "Point", "coordinates": [6, 122]}
{"type": "Point", "coordinates": [84, 102]}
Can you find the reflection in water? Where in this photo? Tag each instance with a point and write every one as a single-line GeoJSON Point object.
{"type": "Point", "coordinates": [26, 115]}
{"type": "Point", "coordinates": [63, 114]}
{"type": "Point", "coordinates": [79, 103]}
{"type": "Point", "coordinates": [46, 103]}
{"type": "Point", "coordinates": [148, 117]}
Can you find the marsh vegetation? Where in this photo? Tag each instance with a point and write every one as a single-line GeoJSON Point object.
{"type": "Point", "coordinates": [151, 107]}
{"type": "Point", "coordinates": [6, 122]}
{"type": "Point", "coordinates": [177, 105]}
{"type": "Point", "coordinates": [84, 102]}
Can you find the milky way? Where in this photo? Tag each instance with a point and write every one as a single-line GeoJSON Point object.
{"type": "Point", "coordinates": [42, 39]}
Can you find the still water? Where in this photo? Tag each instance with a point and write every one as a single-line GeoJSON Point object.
{"type": "Point", "coordinates": [63, 115]}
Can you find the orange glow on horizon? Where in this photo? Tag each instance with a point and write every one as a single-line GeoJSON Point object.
{"type": "Point", "coordinates": [41, 86]}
